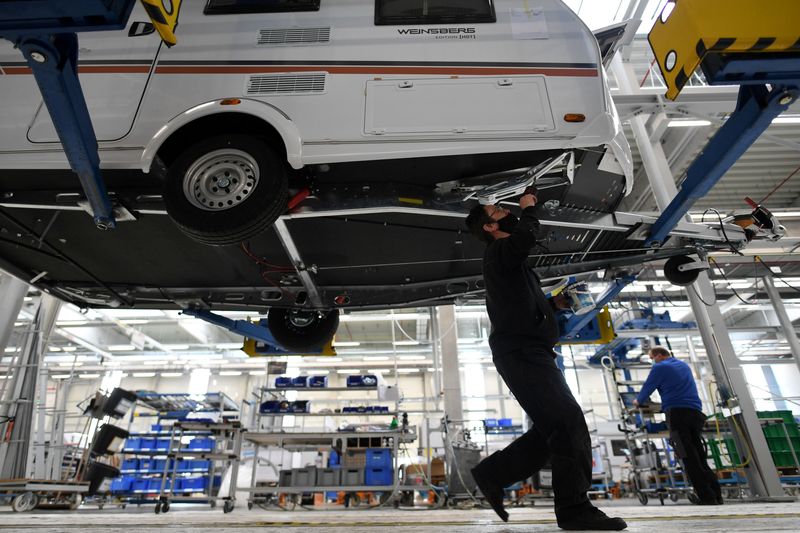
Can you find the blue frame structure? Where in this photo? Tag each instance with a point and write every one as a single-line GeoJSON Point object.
{"type": "Point", "coordinates": [46, 34]}
{"type": "Point", "coordinates": [757, 106]}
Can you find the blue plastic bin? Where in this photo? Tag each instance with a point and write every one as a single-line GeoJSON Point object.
{"type": "Point", "coordinates": [201, 465]}
{"type": "Point", "coordinates": [162, 445]}
{"type": "Point", "coordinates": [154, 484]}
{"type": "Point", "coordinates": [490, 423]}
{"type": "Point", "coordinates": [147, 445]}
{"type": "Point", "coordinates": [270, 406]}
{"type": "Point", "coordinates": [318, 382]}
{"type": "Point", "coordinates": [378, 458]}
{"type": "Point", "coordinates": [355, 381]}
{"type": "Point", "coordinates": [194, 484]}
{"type": "Point", "coordinates": [129, 465]}
{"type": "Point", "coordinates": [145, 465]}
{"type": "Point", "coordinates": [156, 428]}
{"type": "Point", "coordinates": [300, 382]}
{"type": "Point", "coordinates": [378, 476]}
{"type": "Point", "coordinates": [201, 444]}
{"type": "Point", "coordinates": [121, 484]}
{"type": "Point", "coordinates": [134, 445]}
{"type": "Point", "coordinates": [139, 484]}
{"type": "Point", "coordinates": [333, 459]}
{"type": "Point", "coordinates": [505, 423]}
{"type": "Point", "coordinates": [283, 382]}
{"type": "Point", "coordinates": [300, 406]}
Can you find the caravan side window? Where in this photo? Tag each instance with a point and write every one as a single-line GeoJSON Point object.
{"type": "Point", "coordinates": [401, 12]}
{"type": "Point", "coordinates": [228, 7]}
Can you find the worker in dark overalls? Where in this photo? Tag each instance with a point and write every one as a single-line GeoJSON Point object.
{"type": "Point", "coordinates": [673, 380]}
{"type": "Point", "coordinates": [524, 331]}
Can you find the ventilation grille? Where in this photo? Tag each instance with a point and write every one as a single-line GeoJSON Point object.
{"type": "Point", "coordinates": [294, 36]}
{"type": "Point", "coordinates": [286, 84]}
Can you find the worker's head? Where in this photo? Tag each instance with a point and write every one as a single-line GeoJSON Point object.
{"type": "Point", "coordinates": [659, 353]}
{"type": "Point", "coordinates": [490, 222]}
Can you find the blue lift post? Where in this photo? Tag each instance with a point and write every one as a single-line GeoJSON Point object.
{"type": "Point", "coordinates": [757, 106]}
{"type": "Point", "coordinates": [46, 34]}
{"type": "Point", "coordinates": [576, 323]}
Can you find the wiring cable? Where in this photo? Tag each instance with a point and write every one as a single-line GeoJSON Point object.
{"type": "Point", "coordinates": [775, 274]}
{"type": "Point", "coordinates": [734, 250]}
{"type": "Point", "coordinates": [730, 286]}
{"type": "Point", "coordinates": [781, 184]}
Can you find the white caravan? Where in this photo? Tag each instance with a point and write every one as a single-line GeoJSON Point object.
{"type": "Point", "coordinates": [262, 97]}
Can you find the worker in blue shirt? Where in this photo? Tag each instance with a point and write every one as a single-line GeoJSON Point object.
{"type": "Point", "coordinates": [685, 419]}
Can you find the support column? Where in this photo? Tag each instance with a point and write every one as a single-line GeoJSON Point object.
{"type": "Point", "coordinates": [12, 294]}
{"type": "Point", "coordinates": [783, 317]}
{"type": "Point", "coordinates": [451, 377]}
{"type": "Point", "coordinates": [15, 456]}
{"type": "Point", "coordinates": [760, 468]}
{"type": "Point", "coordinates": [699, 374]}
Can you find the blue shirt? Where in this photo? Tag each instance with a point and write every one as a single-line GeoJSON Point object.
{"type": "Point", "coordinates": [675, 383]}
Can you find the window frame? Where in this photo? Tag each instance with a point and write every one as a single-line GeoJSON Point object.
{"type": "Point", "coordinates": [234, 7]}
{"type": "Point", "coordinates": [416, 21]}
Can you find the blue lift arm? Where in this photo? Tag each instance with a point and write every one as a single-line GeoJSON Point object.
{"type": "Point", "coordinates": [45, 31]}
{"type": "Point", "coordinates": [241, 327]}
{"type": "Point", "coordinates": [576, 323]}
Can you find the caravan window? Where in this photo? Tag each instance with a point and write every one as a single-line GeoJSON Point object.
{"type": "Point", "coordinates": [227, 7]}
{"type": "Point", "coordinates": [399, 12]}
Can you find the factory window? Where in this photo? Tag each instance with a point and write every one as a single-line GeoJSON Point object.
{"type": "Point", "coordinates": [401, 12]}
{"type": "Point", "coordinates": [228, 7]}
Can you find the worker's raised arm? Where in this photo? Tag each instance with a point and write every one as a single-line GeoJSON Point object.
{"type": "Point", "coordinates": [516, 248]}
{"type": "Point", "coordinates": [650, 384]}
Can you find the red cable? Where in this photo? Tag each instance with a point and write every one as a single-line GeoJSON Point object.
{"type": "Point", "coordinates": [781, 184]}
{"type": "Point", "coordinates": [646, 74]}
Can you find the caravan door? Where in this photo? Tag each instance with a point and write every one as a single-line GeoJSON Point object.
{"type": "Point", "coordinates": [114, 67]}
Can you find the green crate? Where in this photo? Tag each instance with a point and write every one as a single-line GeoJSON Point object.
{"type": "Point", "coordinates": [781, 444]}
{"type": "Point", "coordinates": [784, 459]}
{"type": "Point", "coordinates": [723, 453]}
{"type": "Point", "coordinates": [786, 416]}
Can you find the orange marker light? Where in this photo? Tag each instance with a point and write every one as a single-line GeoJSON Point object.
{"type": "Point", "coordinates": [230, 101]}
{"type": "Point", "coordinates": [575, 117]}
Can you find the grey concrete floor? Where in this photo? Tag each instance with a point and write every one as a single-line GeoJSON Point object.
{"type": "Point", "coordinates": [679, 517]}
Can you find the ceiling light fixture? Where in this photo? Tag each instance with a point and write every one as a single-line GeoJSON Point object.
{"type": "Point", "coordinates": [144, 374]}
{"type": "Point", "coordinates": [230, 373]}
{"type": "Point", "coordinates": [171, 374]}
{"type": "Point", "coordinates": [345, 344]}
{"type": "Point", "coordinates": [121, 347]}
{"type": "Point", "coordinates": [683, 123]}
{"type": "Point", "coordinates": [406, 343]}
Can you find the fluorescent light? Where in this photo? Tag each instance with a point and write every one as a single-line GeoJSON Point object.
{"type": "Point", "coordinates": [258, 373]}
{"type": "Point", "coordinates": [349, 371]}
{"type": "Point", "coordinates": [405, 343]}
{"type": "Point", "coordinates": [787, 119]}
{"type": "Point", "coordinates": [59, 376]}
{"type": "Point", "coordinates": [130, 322]}
{"type": "Point", "coordinates": [318, 372]}
{"type": "Point", "coordinates": [343, 344]}
{"type": "Point", "coordinates": [121, 347]}
{"type": "Point", "coordinates": [53, 349]}
{"type": "Point", "coordinates": [412, 357]}
{"type": "Point", "coordinates": [88, 376]}
{"type": "Point", "coordinates": [69, 348]}
{"type": "Point", "coordinates": [748, 358]}
{"type": "Point", "coordinates": [230, 373]}
{"type": "Point", "coordinates": [68, 365]}
{"type": "Point", "coordinates": [375, 358]}
{"type": "Point", "coordinates": [171, 374]}
{"type": "Point", "coordinates": [67, 323]}
{"type": "Point", "coordinates": [144, 374]}
{"type": "Point", "coordinates": [11, 349]}
{"type": "Point", "coordinates": [683, 123]}
{"type": "Point", "coordinates": [407, 370]}
{"type": "Point", "coordinates": [111, 363]}
{"type": "Point", "coordinates": [177, 346]}
{"type": "Point", "coordinates": [776, 269]}
{"type": "Point", "coordinates": [228, 345]}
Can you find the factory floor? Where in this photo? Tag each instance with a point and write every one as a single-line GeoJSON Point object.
{"type": "Point", "coordinates": [680, 517]}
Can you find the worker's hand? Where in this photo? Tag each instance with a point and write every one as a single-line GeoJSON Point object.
{"type": "Point", "coordinates": [527, 200]}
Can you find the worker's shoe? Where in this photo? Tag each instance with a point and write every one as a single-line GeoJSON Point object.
{"type": "Point", "coordinates": [591, 519]}
{"type": "Point", "coordinates": [492, 492]}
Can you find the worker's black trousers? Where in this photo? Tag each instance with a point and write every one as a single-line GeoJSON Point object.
{"type": "Point", "coordinates": [685, 427]}
{"type": "Point", "coordinates": [559, 433]}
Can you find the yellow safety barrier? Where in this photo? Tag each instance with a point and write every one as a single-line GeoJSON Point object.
{"type": "Point", "coordinates": [165, 20]}
{"type": "Point", "coordinates": [687, 31]}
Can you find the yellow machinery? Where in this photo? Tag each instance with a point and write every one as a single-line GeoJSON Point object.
{"type": "Point", "coordinates": [689, 33]}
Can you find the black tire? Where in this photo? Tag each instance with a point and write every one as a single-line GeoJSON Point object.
{"type": "Point", "coordinates": [227, 507]}
{"type": "Point", "coordinates": [642, 498]}
{"type": "Point", "coordinates": [675, 276]}
{"type": "Point", "coordinates": [157, 510]}
{"type": "Point", "coordinates": [25, 502]}
{"type": "Point", "coordinates": [245, 212]}
{"type": "Point", "coordinates": [693, 498]}
{"type": "Point", "coordinates": [165, 507]}
{"type": "Point", "coordinates": [301, 329]}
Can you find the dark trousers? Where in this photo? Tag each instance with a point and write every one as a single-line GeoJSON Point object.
{"type": "Point", "coordinates": [559, 433]}
{"type": "Point", "coordinates": [685, 426]}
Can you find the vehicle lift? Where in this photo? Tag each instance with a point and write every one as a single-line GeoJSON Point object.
{"type": "Point", "coordinates": [46, 32]}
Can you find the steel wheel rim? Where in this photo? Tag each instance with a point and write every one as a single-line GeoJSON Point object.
{"type": "Point", "coordinates": [221, 180]}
